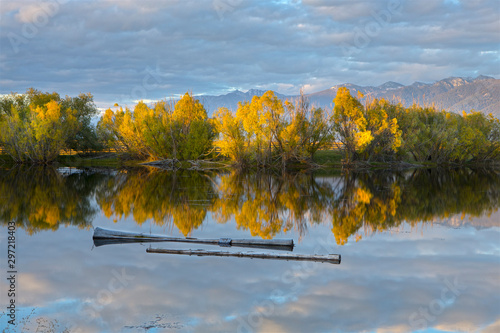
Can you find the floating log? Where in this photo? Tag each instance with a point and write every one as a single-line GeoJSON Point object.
{"type": "Point", "coordinates": [168, 164]}
{"type": "Point", "coordinates": [105, 236]}
{"type": "Point", "coordinates": [113, 241]}
{"type": "Point", "coordinates": [330, 258]}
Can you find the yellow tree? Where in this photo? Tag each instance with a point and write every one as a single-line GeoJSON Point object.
{"type": "Point", "coordinates": [49, 130]}
{"type": "Point", "coordinates": [14, 135]}
{"type": "Point", "coordinates": [191, 128]}
{"type": "Point", "coordinates": [261, 121]}
{"type": "Point", "coordinates": [188, 109]}
{"type": "Point", "coordinates": [291, 142]}
{"type": "Point", "coordinates": [37, 134]}
{"type": "Point", "coordinates": [160, 131]}
{"type": "Point", "coordinates": [385, 131]}
{"type": "Point", "coordinates": [131, 135]}
{"type": "Point", "coordinates": [350, 123]}
{"type": "Point", "coordinates": [271, 111]}
{"type": "Point", "coordinates": [37, 120]}
{"type": "Point", "coordinates": [107, 129]}
{"type": "Point", "coordinates": [231, 137]}
{"type": "Point", "coordinates": [270, 132]}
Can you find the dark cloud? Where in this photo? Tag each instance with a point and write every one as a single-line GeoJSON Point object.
{"type": "Point", "coordinates": [110, 48]}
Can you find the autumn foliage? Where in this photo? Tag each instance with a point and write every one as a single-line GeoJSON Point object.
{"type": "Point", "coordinates": [263, 203]}
{"type": "Point", "coordinates": [161, 131]}
{"type": "Point", "coordinates": [36, 126]}
{"type": "Point", "coordinates": [269, 132]}
{"type": "Point", "coordinates": [265, 132]}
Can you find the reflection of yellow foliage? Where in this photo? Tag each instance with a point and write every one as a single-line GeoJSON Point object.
{"type": "Point", "coordinates": [50, 215]}
{"type": "Point", "coordinates": [187, 218]}
{"type": "Point", "coordinates": [267, 205]}
{"type": "Point", "coordinates": [258, 213]}
{"type": "Point", "coordinates": [362, 196]}
{"type": "Point", "coordinates": [263, 204]}
{"type": "Point", "coordinates": [159, 196]}
{"type": "Point", "coordinates": [41, 199]}
{"type": "Point", "coordinates": [361, 207]}
{"type": "Point", "coordinates": [259, 220]}
{"type": "Point", "coordinates": [363, 203]}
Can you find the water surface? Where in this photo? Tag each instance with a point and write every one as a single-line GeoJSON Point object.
{"type": "Point", "coordinates": [420, 251]}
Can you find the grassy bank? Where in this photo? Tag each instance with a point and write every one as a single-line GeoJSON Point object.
{"type": "Point", "coordinates": [95, 160]}
{"type": "Point", "coordinates": [105, 160]}
{"type": "Point", "coordinates": [328, 160]}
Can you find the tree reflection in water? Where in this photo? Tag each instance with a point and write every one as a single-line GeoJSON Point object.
{"type": "Point", "coordinates": [265, 204]}
{"type": "Point", "coordinates": [382, 200]}
{"type": "Point", "coordinates": [41, 198]}
{"type": "Point", "coordinates": [182, 197]}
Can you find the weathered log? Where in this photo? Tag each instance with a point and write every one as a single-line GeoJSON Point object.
{"type": "Point", "coordinates": [330, 258]}
{"type": "Point", "coordinates": [105, 236]}
{"type": "Point", "coordinates": [168, 164]}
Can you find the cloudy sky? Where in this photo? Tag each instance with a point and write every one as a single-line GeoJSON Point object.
{"type": "Point", "coordinates": [126, 50]}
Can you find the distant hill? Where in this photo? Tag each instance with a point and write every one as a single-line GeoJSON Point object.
{"type": "Point", "coordinates": [453, 94]}
{"type": "Point", "coordinates": [231, 100]}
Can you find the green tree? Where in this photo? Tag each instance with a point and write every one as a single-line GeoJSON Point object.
{"type": "Point", "coordinates": [84, 137]}
{"type": "Point", "coordinates": [479, 138]}
{"type": "Point", "coordinates": [315, 130]}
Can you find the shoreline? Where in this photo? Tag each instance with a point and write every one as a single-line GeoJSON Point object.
{"type": "Point", "coordinates": [331, 163]}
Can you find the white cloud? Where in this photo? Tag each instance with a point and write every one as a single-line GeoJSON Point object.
{"type": "Point", "coordinates": [103, 47]}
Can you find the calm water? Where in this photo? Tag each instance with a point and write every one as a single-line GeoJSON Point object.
{"type": "Point", "coordinates": [420, 251]}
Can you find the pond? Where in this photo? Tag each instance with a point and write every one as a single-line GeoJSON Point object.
{"type": "Point", "coordinates": [420, 251]}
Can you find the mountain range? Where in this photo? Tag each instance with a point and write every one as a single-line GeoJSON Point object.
{"type": "Point", "coordinates": [454, 94]}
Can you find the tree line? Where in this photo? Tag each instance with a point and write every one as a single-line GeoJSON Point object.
{"type": "Point", "coordinates": [263, 132]}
